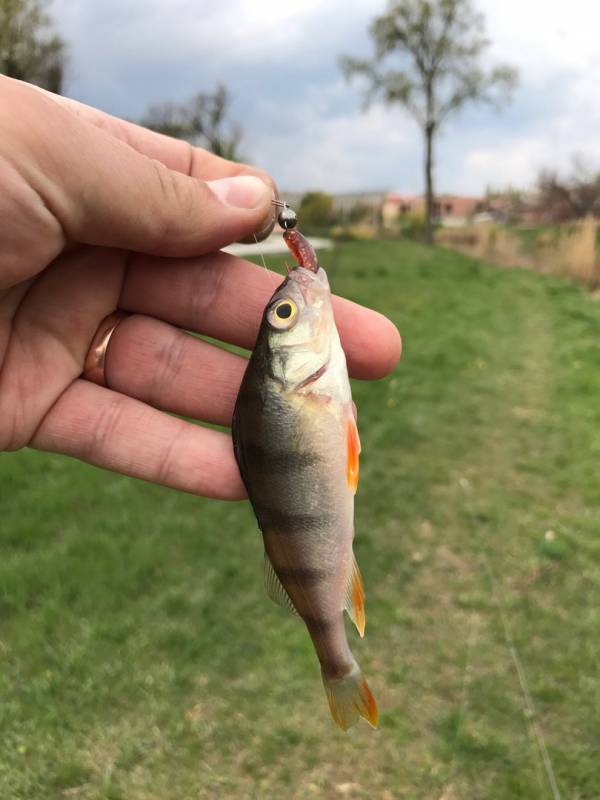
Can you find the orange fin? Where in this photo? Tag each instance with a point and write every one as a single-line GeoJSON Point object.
{"type": "Point", "coordinates": [353, 444]}
{"type": "Point", "coordinates": [349, 699]}
{"type": "Point", "coordinates": [355, 599]}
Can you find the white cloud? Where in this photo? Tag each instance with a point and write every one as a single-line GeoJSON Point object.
{"type": "Point", "coordinates": [348, 153]}
{"type": "Point", "coordinates": [544, 36]}
{"type": "Point", "coordinates": [304, 123]}
{"type": "Point", "coordinates": [516, 163]}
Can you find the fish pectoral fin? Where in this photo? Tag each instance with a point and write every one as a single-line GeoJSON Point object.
{"type": "Point", "coordinates": [238, 449]}
{"type": "Point", "coordinates": [353, 452]}
{"type": "Point", "coordinates": [275, 589]}
{"type": "Point", "coordinates": [355, 599]}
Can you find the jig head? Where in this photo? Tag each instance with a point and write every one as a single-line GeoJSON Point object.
{"type": "Point", "coordinates": [287, 217]}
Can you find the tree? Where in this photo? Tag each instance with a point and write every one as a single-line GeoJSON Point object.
{"type": "Point", "coordinates": [554, 200]}
{"type": "Point", "coordinates": [316, 210]}
{"type": "Point", "coordinates": [200, 121]}
{"type": "Point", "coordinates": [29, 48]}
{"type": "Point", "coordinates": [437, 47]}
{"type": "Point", "coordinates": [507, 205]}
{"type": "Point", "coordinates": [574, 197]}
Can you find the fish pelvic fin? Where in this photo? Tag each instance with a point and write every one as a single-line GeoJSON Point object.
{"type": "Point", "coordinates": [350, 699]}
{"type": "Point", "coordinates": [355, 599]}
{"type": "Point", "coordinates": [353, 452]}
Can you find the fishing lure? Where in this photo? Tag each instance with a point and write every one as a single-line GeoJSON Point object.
{"type": "Point", "coordinates": [297, 447]}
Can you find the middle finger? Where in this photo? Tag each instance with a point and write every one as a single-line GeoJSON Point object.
{"type": "Point", "coordinates": [171, 370]}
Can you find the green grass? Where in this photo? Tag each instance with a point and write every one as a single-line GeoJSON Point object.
{"type": "Point", "coordinates": [139, 658]}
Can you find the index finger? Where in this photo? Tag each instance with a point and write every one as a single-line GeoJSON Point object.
{"type": "Point", "coordinates": [223, 296]}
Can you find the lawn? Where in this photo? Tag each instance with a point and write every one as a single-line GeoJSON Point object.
{"type": "Point", "coordinates": [140, 659]}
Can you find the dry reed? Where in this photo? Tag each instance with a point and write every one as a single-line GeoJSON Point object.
{"type": "Point", "coordinates": [568, 250]}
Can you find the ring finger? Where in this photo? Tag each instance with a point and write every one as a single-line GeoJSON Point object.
{"type": "Point", "coordinates": [172, 370]}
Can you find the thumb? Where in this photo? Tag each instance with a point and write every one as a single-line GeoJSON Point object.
{"type": "Point", "coordinates": [104, 192]}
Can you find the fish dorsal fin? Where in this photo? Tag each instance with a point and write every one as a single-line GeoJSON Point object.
{"type": "Point", "coordinates": [275, 589]}
{"type": "Point", "coordinates": [353, 452]}
{"type": "Point", "coordinates": [355, 599]}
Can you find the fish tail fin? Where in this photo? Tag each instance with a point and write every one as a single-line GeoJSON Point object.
{"type": "Point", "coordinates": [350, 698]}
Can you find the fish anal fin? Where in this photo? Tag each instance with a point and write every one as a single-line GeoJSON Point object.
{"type": "Point", "coordinates": [353, 452]}
{"type": "Point", "coordinates": [355, 599]}
{"type": "Point", "coordinates": [275, 589]}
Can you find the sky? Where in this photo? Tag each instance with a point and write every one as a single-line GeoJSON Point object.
{"type": "Point", "coordinates": [305, 124]}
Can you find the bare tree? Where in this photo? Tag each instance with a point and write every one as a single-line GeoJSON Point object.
{"type": "Point", "coordinates": [585, 188]}
{"type": "Point", "coordinates": [30, 50]}
{"type": "Point", "coordinates": [554, 199]}
{"type": "Point", "coordinates": [572, 197]}
{"type": "Point", "coordinates": [201, 121]}
{"type": "Point", "coordinates": [508, 205]}
{"type": "Point", "coordinates": [434, 48]}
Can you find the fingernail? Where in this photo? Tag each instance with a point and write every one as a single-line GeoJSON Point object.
{"type": "Point", "coordinates": [242, 191]}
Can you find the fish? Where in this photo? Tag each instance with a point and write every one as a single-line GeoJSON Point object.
{"type": "Point", "coordinates": [297, 446]}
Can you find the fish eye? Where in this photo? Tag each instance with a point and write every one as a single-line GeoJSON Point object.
{"type": "Point", "coordinates": [283, 314]}
{"type": "Point", "coordinates": [284, 310]}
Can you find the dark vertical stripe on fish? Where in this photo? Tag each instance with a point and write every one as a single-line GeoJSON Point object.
{"type": "Point", "coordinates": [306, 576]}
{"type": "Point", "coordinates": [319, 625]}
{"type": "Point", "coordinates": [280, 522]}
{"type": "Point", "coordinates": [272, 460]}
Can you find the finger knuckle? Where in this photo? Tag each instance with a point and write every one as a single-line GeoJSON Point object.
{"type": "Point", "coordinates": [175, 202]}
{"type": "Point", "coordinates": [210, 287]}
{"type": "Point", "coordinates": [167, 471]}
{"type": "Point", "coordinates": [103, 428]}
{"type": "Point", "coordinates": [171, 359]}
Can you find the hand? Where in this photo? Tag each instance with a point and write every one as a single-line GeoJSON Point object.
{"type": "Point", "coordinates": [98, 214]}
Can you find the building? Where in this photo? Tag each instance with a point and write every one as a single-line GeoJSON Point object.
{"type": "Point", "coordinates": [346, 205]}
{"type": "Point", "coordinates": [388, 208]}
{"type": "Point", "coordinates": [449, 209]}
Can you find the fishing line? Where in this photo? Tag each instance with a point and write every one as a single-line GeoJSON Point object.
{"type": "Point", "coordinates": [464, 700]}
{"type": "Point", "coordinates": [260, 252]}
{"type": "Point", "coordinates": [538, 736]}
{"type": "Point", "coordinates": [286, 218]}
{"type": "Point", "coordinates": [533, 728]}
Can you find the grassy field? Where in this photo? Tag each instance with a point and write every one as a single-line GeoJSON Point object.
{"type": "Point", "coordinates": [140, 659]}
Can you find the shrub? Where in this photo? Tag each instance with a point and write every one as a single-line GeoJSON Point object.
{"type": "Point", "coordinates": [316, 210]}
{"type": "Point", "coordinates": [412, 225]}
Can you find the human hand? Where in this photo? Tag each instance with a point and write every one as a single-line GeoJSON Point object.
{"type": "Point", "coordinates": [98, 214]}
